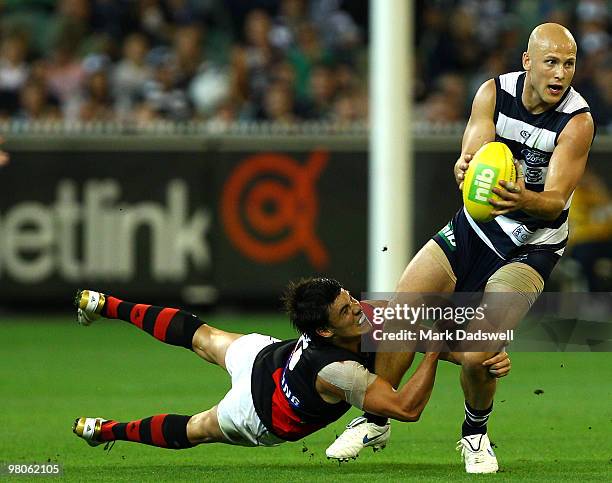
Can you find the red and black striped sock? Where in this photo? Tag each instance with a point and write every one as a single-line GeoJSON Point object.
{"type": "Point", "coordinates": [172, 326]}
{"type": "Point", "coordinates": [164, 430]}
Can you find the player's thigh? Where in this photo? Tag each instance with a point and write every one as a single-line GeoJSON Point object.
{"type": "Point", "coordinates": [510, 293]}
{"type": "Point", "coordinates": [211, 343]}
{"type": "Point", "coordinates": [428, 271]}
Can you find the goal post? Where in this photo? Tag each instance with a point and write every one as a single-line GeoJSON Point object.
{"type": "Point", "coordinates": [390, 202]}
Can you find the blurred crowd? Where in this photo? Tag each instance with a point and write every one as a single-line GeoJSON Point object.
{"type": "Point", "coordinates": [462, 43]}
{"type": "Point", "coordinates": [268, 60]}
{"type": "Point", "coordinates": [178, 60]}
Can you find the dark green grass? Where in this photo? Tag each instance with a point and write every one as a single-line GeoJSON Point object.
{"type": "Point", "coordinates": [54, 371]}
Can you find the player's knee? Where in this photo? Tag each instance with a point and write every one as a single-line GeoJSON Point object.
{"type": "Point", "coordinates": [202, 338]}
{"type": "Point", "coordinates": [199, 430]}
{"type": "Point", "coordinates": [195, 428]}
{"type": "Point", "coordinates": [211, 344]}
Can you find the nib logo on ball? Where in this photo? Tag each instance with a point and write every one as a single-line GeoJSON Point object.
{"type": "Point", "coordinates": [483, 183]}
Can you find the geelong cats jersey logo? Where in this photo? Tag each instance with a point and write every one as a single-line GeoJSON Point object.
{"type": "Point", "coordinates": [536, 165]}
{"type": "Point", "coordinates": [535, 158]}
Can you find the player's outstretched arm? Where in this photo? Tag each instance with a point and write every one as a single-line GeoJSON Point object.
{"type": "Point", "coordinates": [353, 383]}
{"type": "Point", "coordinates": [410, 400]}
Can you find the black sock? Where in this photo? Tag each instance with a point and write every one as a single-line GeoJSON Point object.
{"type": "Point", "coordinates": [164, 430]}
{"type": "Point", "coordinates": [475, 420]}
{"type": "Point", "coordinates": [172, 326]}
{"type": "Point", "coordinates": [378, 420]}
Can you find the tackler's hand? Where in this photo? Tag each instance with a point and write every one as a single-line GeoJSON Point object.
{"type": "Point", "coordinates": [499, 365]}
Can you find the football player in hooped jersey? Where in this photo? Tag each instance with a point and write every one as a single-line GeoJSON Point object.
{"type": "Point", "coordinates": [548, 127]}
{"type": "Point", "coordinates": [281, 390]}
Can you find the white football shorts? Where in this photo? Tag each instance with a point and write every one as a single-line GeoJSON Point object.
{"type": "Point", "coordinates": [238, 420]}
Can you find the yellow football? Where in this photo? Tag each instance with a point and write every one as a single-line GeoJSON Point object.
{"type": "Point", "coordinates": [491, 163]}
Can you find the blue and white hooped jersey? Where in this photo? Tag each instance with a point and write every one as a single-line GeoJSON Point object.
{"type": "Point", "coordinates": [532, 139]}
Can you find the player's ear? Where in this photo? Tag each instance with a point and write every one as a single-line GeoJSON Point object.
{"type": "Point", "coordinates": [526, 61]}
{"type": "Point", "coordinates": [324, 332]}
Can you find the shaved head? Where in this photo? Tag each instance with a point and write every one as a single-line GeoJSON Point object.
{"type": "Point", "coordinates": [550, 63]}
{"type": "Point", "coordinates": [551, 36]}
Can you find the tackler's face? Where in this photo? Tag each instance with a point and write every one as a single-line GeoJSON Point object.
{"type": "Point", "coordinates": [346, 319]}
{"type": "Point", "coordinates": [551, 66]}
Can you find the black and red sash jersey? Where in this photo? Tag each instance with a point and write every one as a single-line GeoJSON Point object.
{"type": "Point", "coordinates": [283, 386]}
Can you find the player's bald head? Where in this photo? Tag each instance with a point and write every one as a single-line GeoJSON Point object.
{"type": "Point", "coordinates": [551, 36]}
{"type": "Point", "coordinates": [550, 63]}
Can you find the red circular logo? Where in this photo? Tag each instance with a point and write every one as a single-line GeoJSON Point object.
{"type": "Point", "coordinates": [269, 208]}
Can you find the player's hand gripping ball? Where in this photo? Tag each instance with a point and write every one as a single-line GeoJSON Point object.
{"type": "Point", "coordinates": [491, 163]}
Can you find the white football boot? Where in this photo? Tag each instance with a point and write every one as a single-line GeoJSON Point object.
{"type": "Point", "coordinates": [359, 434]}
{"type": "Point", "coordinates": [477, 454]}
{"type": "Point", "coordinates": [88, 429]}
{"type": "Point", "coordinates": [89, 304]}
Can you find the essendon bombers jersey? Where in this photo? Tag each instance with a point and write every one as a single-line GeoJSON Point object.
{"type": "Point", "coordinates": [284, 391]}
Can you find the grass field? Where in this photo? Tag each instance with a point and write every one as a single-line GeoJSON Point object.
{"type": "Point", "coordinates": [54, 371]}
